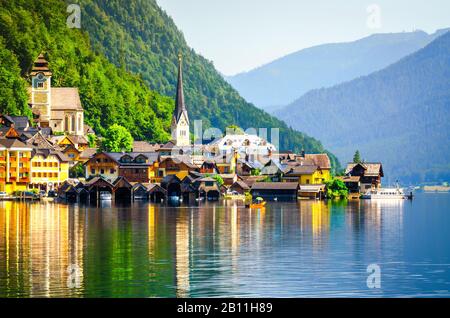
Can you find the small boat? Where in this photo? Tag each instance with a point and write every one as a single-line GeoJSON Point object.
{"type": "Point", "coordinates": [258, 204]}
{"type": "Point", "coordinates": [105, 196]}
{"type": "Point", "coordinates": [386, 193]}
{"type": "Point", "coordinates": [234, 195]}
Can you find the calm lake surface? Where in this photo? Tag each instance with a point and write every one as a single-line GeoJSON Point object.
{"type": "Point", "coordinates": [299, 249]}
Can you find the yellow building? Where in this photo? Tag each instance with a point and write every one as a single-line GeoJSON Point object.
{"type": "Point", "coordinates": [175, 166]}
{"type": "Point", "coordinates": [307, 175]}
{"type": "Point", "coordinates": [49, 169]}
{"type": "Point", "coordinates": [14, 165]}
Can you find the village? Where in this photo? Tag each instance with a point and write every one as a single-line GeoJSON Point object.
{"type": "Point", "coordinates": [36, 157]}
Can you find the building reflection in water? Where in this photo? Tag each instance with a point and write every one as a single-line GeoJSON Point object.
{"type": "Point", "coordinates": [182, 252]}
{"type": "Point", "coordinates": [40, 246]}
{"type": "Point", "coordinates": [315, 219]}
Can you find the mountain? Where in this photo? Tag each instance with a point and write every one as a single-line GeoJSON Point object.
{"type": "Point", "coordinates": [399, 115]}
{"type": "Point", "coordinates": [282, 81]}
{"type": "Point", "coordinates": [124, 61]}
{"type": "Point", "coordinates": [139, 36]}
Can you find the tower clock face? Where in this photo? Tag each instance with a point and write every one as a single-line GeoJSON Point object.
{"type": "Point", "coordinates": [40, 76]}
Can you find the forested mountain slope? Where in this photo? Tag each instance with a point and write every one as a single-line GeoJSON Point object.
{"type": "Point", "coordinates": [399, 115]}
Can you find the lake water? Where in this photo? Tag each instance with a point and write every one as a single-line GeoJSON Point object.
{"type": "Point", "coordinates": [299, 249]}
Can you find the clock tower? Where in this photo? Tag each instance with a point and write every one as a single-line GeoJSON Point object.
{"type": "Point", "coordinates": [41, 90]}
{"type": "Point", "coordinates": [180, 119]}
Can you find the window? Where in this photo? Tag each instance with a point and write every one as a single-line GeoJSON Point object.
{"type": "Point", "coordinates": [102, 171]}
{"type": "Point", "coordinates": [209, 183]}
{"type": "Point", "coordinates": [40, 84]}
{"type": "Point", "coordinates": [92, 171]}
{"type": "Point", "coordinates": [161, 173]}
{"type": "Point", "coordinates": [71, 155]}
{"type": "Point", "coordinates": [111, 171]}
{"type": "Point", "coordinates": [307, 181]}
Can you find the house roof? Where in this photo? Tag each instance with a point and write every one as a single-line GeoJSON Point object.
{"type": "Point", "coordinates": [47, 152]}
{"type": "Point", "coordinates": [349, 178]}
{"type": "Point", "coordinates": [301, 170]}
{"type": "Point", "coordinates": [275, 186]}
{"type": "Point", "coordinates": [145, 146]}
{"type": "Point", "coordinates": [88, 153]}
{"type": "Point", "coordinates": [241, 184]}
{"type": "Point", "coordinates": [371, 168]}
{"type": "Point", "coordinates": [40, 65]}
{"type": "Point", "coordinates": [13, 143]}
{"type": "Point", "coordinates": [311, 188]}
{"type": "Point", "coordinates": [19, 122]}
{"type": "Point", "coordinates": [322, 160]}
{"type": "Point", "coordinates": [116, 156]}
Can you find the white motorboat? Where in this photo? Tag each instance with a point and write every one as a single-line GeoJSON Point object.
{"type": "Point", "coordinates": [386, 193]}
{"type": "Point", "coordinates": [105, 196]}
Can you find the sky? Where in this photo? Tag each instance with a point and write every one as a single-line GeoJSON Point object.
{"type": "Point", "coordinates": [239, 35]}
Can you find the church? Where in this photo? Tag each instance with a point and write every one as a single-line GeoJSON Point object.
{"type": "Point", "coordinates": [57, 108]}
{"type": "Point", "coordinates": [180, 118]}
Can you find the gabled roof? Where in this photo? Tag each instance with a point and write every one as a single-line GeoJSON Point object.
{"type": "Point", "coordinates": [241, 184]}
{"type": "Point", "coordinates": [275, 186]}
{"type": "Point", "coordinates": [13, 143]}
{"type": "Point", "coordinates": [19, 122]}
{"type": "Point", "coordinates": [371, 168]}
{"type": "Point", "coordinates": [50, 152]}
{"type": "Point", "coordinates": [40, 65]}
{"type": "Point", "coordinates": [39, 141]}
{"type": "Point", "coordinates": [302, 170]}
{"type": "Point", "coordinates": [322, 160]}
{"type": "Point", "coordinates": [144, 146]}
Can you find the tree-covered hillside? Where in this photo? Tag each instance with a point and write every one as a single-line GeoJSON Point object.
{"type": "Point", "coordinates": [399, 115]}
{"type": "Point", "coordinates": [139, 36]}
{"type": "Point", "coordinates": [109, 95]}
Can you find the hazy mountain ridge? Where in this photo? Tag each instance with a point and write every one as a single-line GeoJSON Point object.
{"type": "Point", "coordinates": [399, 115]}
{"type": "Point", "coordinates": [282, 81]}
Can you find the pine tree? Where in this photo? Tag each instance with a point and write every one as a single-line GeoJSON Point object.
{"type": "Point", "coordinates": [357, 157]}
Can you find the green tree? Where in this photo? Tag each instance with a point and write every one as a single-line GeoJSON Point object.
{"type": "Point", "coordinates": [92, 140]}
{"type": "Point", "coordinates": [218, 179]}
{"type": "Point", "coordinates": [336, 188]}
{"type": "Point", "coordinates": [13, 94]}
{"type": "Point", "coordinates": [77, 171]}
{"type": "Point", "coordinates": [117, 138]}
{"type": "Point", "coordinates": [357, 157]}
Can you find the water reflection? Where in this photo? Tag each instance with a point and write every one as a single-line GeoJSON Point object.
{"type": "Point", "coordinates": [288, 249]}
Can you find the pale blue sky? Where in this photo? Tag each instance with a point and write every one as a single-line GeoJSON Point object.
{"type": "Point", "coordinates": [238, 35]}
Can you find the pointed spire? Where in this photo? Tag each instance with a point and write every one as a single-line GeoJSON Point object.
{"type": "Point", "coordinates": [40, 65]}
{"type": "Point", "coordinates": [180, 107]}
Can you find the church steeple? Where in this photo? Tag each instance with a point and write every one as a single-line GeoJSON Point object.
{"type": "Point", "coordinates": [180, 106]}
{"type": "Point", "coordinates": [180, 118]}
